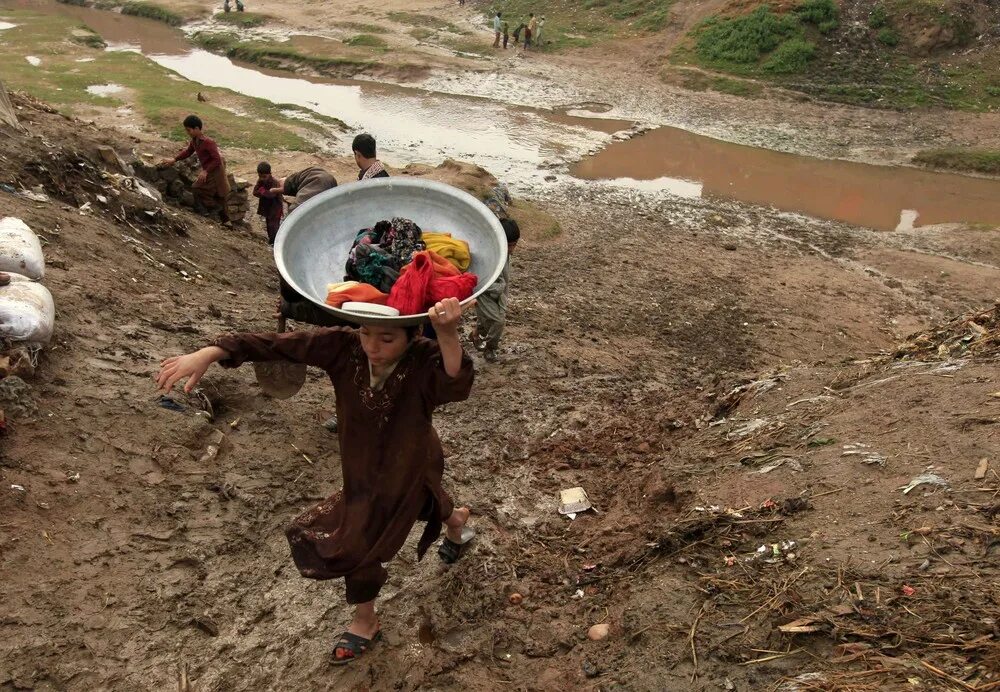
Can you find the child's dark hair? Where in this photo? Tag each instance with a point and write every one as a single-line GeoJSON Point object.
{"type": "Point", "coordinates": [193, 121]}
{"type": "Point", "coordinates": [413, 332]}
{"type": "Point", "coordinates": [263, 168]}
{"type": "Point", "coordinates": [511, 230]}
{"type": "Point", "coordinates": [364, 144]}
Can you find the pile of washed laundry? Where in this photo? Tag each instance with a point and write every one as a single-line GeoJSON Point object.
{"type": "Point", "coordinates": [397, 265]}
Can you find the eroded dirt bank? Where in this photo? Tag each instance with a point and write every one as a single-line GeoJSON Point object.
{"type": "Point", "coordinates": [662, 354]}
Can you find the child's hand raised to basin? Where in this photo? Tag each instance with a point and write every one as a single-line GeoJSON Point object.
{"type": "Point", "coordinates": [446, 314]}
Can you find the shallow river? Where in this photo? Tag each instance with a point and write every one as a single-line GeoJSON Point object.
{"type": "Point", "coordinates": [514, 142]}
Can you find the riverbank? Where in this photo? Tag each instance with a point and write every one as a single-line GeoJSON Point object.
{"type": "Point", "coordinates": [736, 378]}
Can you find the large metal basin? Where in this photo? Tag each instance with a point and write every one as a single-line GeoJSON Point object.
{"type": "Point", "coordinates": [312, 245]}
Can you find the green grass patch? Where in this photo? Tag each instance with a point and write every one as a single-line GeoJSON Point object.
{"type": "Point", "coordinates": [888, 36]}
{"type": "Point", "coordinates": [977, 160]}
{"type": "Point", "coordinates": [823, 14]}
{"type": "Point", "coordinates": [421, 33]}
{"type": "Point", "coordinates": [571, 24]}
{"type": "Point", "coordinates": [152, 11]}
{"type": "Point", "coordinates": [151, 90]}
{"type": "Point", "coordinates": [803, 49]}
{"type": "Point", "coordinates": [277, 56]}
{"type": "Point", "coordinates": [243, 19]}
{"type": "Point", "coordinates": [791, 56]}
{"type": "Point", "coordinates": [426, 20]}
{"type": "Point", "coordinates": [736, 87]}
{"type": "Point", "coordinates": [878, 18]}
{"type": "Point", "coordinates": [367, 41]}
{"type": "Point", "coordinates": [362, 27]}
{"type": "Point", "coordinates": [740, 43]}
{"type": "Point", "coordinates": [85, 37]}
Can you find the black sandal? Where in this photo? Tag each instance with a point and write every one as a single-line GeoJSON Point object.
{"type": "Point", "coordinates": [354, 643]}
{"type": "Point", "coordinates": [450, 551]}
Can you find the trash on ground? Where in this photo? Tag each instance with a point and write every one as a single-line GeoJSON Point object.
{"type": "Point", "coordinates": [778, 463]}
{"type": "Point", "coordinates": [857, 449]}
{"type": "Point", "coordinates": [573, 501]}
{"type": "Point", "coordinates": [774, 553]}
{"type": "Point", "coordinates": [171, 405]}
{"type": "Point", "coordinates": [598, 632]}
{"type": "Point", "coordinates": [922, 479]}
{"type": "Point", "coordinates": [984, 465]}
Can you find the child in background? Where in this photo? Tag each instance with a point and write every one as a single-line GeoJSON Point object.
{"type": "Point", "coordinates": [271, 206]}
{"type": "Point", "coordinates": [491, 306]}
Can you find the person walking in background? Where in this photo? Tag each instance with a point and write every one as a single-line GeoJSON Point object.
{"type": "Point", "coordinates": [506, 33]}
{"type": "Point", "coordinates": [491, 305]}
{"type": "Point", "coordinates": [529, 32]}
{"type": "Point", "coordinates": [538, 32]}
{"type": "Point", "coordinates": [211, 189]}
{"type": "Point", "coordinates": [497, 26]}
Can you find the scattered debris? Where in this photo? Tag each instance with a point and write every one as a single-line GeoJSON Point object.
{"type": "Point", "coordinates": [778, 463]}
{"type": "Point", "coordinates": [984, 465]}
{"type": "Point", "coordinates": [976, 333]}
{"type": "Point", "coordinates": [515, 598]}
{"type": "Point", "coordinates": [18, 488]}
{"type": "Point", "coordinates": [857, 449]}
{"type": "Point", "coordinates": [171, 405]}
{"type": "Point", "coordinates": [908, 590]}
{"type": "Point", "coordinates": [922, 479]}
{"type": "Point", "coordinates": [774, 553]}
{"type": "Point", "coordinates": [598, 632]}
{"type": "Point", "coordinates": [573, 501]}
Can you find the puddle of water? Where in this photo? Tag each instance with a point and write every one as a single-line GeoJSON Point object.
{"type": "Point", "coordinates": [875, 196]}
{"type": "Point", "coordinates": [105, 89]}
{"type": "Point", "coordinates": [149, 35]}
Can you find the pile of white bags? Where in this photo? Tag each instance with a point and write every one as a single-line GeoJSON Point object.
{"type": "Point", "coordinates": [27, 312]}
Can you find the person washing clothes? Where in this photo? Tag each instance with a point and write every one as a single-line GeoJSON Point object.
{"type": "Point", "coordinates": [366, 156]}
{"type": "Point", "coordinates": [211, 189]}
{"type": "Point", "coordinates": [270, 204]}
{"type": "Point", "coordinates": [387, 383]}
{"type": "Point", "coordinates": [491, 305]}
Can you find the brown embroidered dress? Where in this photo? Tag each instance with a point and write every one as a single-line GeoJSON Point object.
{"type": "Point", "coordinates": [390, 453]}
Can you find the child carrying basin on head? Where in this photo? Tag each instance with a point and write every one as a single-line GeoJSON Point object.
{"type": "Point", "coordinates": [387, 383]}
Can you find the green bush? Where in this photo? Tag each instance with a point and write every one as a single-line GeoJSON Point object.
{"type": "Point", "coordinates": [888, 37]}
{"type": "Point", "coordinates": [367, 41]}
{"type": "Point", "coordinates": [151, 11]}
{"type": "Point", "coordinates": [743, 40]}
{"type": "Point", "coordinates": [819, 12]}
{"type": "Point", "coordinates": [878, 18]}
{"type": "Point", "coordinates": [791, 56]}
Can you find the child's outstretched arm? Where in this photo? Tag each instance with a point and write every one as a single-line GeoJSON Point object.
{"type": "Point", "coordinates": [445, 317]}
{"type": "Point", "coordinates": [192, 366]}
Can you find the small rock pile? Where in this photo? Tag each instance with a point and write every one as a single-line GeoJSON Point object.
{"type": "Point", "coordinates": [175, 183]}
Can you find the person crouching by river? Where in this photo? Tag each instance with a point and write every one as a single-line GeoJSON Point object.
{"type": "Point", "coordinates": [211, 189]}
{"type": "Point", "coordinates": [387, 383]}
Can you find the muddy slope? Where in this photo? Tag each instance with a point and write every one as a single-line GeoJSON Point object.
{"type": "Point", "coordinates": [659, 354]}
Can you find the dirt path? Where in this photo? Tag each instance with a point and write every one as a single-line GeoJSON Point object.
{"type": "Point", "coordinates": [633, 341]}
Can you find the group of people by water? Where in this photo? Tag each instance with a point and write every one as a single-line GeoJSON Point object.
{"type": "Point", "coordinates": [532, 28]}
{"type": "Point", "coordinates": [387, 382]}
